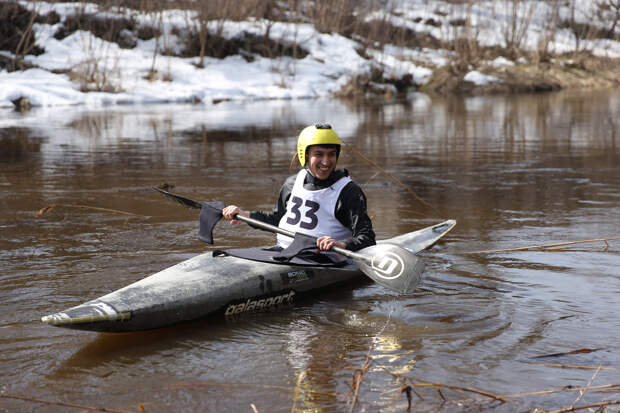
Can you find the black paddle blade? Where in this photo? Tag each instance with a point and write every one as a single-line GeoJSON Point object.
{"type": "Point", "coordinates": [391, 266]}
{"type": "Point", "coordinates": [210, 214]}
{"type": "Point", "coordinates": [300, 243]}
{"type": "Point", "coordinates": [186, 202]}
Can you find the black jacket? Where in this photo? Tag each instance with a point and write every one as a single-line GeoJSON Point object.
{"type": "Point", "coordinates": [350, 208]}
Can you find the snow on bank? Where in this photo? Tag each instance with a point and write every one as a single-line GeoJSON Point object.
{"type": "Point", "coordinates": [479, 79]}
{"type": "Point", "coordinates": [331, 63]}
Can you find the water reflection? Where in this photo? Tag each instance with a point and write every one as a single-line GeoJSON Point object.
{"type": "Point", "coordinates": [17, 145]}
{"type": "Point", "coordinates": [513, 171]}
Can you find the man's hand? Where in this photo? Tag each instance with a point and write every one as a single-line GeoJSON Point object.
{"type": "Point", "coordinates": [325, 243]}
{"type": "Point", "coordinates": [231, 210]}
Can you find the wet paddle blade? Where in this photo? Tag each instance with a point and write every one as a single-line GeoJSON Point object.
{"type": "Point", "coordinates": [210, 214]}
{"type": "Point", "coordinates": [391, 266]}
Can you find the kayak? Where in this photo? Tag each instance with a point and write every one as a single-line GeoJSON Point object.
{"type": "Point", "coordinates": [207, 285]}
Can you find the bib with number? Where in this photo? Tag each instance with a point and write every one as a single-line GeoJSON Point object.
{"type": "Point", "coordinates": [312, 212]}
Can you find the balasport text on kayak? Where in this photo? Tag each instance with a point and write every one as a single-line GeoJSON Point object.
{"type": "Point", "coordinates": [262, 304]}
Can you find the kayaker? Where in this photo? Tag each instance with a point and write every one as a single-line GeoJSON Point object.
{"type": "Point", "coordinates": [319, 200]}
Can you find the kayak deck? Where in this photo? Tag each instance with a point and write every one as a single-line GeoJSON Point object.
{"type": "Point", "coordinates": [205, 285]}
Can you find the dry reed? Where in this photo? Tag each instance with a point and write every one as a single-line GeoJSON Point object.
{"type": "Point", "coordinates": [549, 247]}
{"type": "Point", "coordinates": [48, 208]}
{"type": "Point", "coordinates": [66, 404]}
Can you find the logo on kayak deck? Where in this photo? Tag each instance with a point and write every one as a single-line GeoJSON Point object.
{"type": "Point", "coordinates": [260, 305]}
{"type": "Point", "coordinates": [388, 265]}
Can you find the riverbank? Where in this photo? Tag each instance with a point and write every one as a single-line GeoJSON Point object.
{"type": "Point", "coordinates": [79, 53]}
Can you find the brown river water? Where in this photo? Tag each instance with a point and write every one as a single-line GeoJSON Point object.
{"type": "Point", "coordinates": [513, 171]}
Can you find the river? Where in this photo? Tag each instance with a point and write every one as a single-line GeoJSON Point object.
{"type": "Point", "coordinates": [514, 171]}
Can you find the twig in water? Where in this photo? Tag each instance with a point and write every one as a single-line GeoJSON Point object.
{"type": "Point", "coordinates": [443, 399]}
{"type": "Point", "coordinates": [570, 366]}
{"type": "Point", "coordinates": [545, 246]}
{"type": "Point", "coordinates": [465, 389]}
{"type": "Point", "coordinates": [48, 208]}
{"type": "Point", "coordinates": [584, 350]}
{"type": "Point", "coordinates": [407, 391]}
{"type": "Point", "coordinates": [582, 392]}
{"type": "Point", "coordinates": [599, 388]}
{"type": "Point", "coordinates": [586, 406]}
{"type": "Point", "coordinates": [242, 385]}
{"type": "Point", "coordinates": [55, 403]}
{"type": "Point", "coordinates": [358, 375]}
{"type": "Point", "coordinates": [297, 388]}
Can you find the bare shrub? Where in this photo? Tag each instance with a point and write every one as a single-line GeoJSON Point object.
{"type": "Point", "coordinates": [381, 32]}
{"type": "Point", "coordinates": [515, 27]}
{"type": "Point", "coordinates": [580, 31]}
{"type": "Point", "coordinates": [463, 39]}
{"type": "Point", "coordinates": [332, 16]}
{"type": "Point", "coordinates": [111, 30]}
{"type": "Point", "coordinates": [16, 33]}
{"type": "Point", "coordinates": [548, 32]}
{"type": "Point", "coordinates": [609, 13]}
{"type": "Point", "coordinates": [99, 71]}
{"type": "Point", "coordinates": [245, 44]}
{"type": "Point", "coordinates": [156, 25]}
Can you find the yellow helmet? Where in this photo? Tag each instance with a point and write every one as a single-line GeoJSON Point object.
{"type": "Point", "coordinates": [319, 134]}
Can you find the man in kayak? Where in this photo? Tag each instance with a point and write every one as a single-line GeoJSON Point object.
{"type": "Point", "coordinates": [319, 200]}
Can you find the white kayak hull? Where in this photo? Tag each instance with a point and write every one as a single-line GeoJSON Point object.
{"type": "Point", "coordinates": [206, 285]}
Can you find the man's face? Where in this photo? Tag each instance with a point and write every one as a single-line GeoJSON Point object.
{"type": "Point", "coordinates": [322, 161]}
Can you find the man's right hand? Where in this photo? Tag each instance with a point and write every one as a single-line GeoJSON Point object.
{"type": "Point", "coordinates": [231, 211]}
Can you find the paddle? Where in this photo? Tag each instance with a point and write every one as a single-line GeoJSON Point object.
{"type": "Point", "coordinates": [387, 264]}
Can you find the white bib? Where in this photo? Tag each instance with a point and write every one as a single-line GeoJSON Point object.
{"type": "Point", "coordinates": [312, 212]}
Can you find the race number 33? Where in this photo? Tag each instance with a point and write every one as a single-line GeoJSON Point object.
{"type": "Point", "coordinates": [310, 220]}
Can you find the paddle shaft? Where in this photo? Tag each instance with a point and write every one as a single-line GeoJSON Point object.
{"type": "Point", "coordinates": [282, 231]}
{"type": "Point", "coordinates": [190, 203]}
